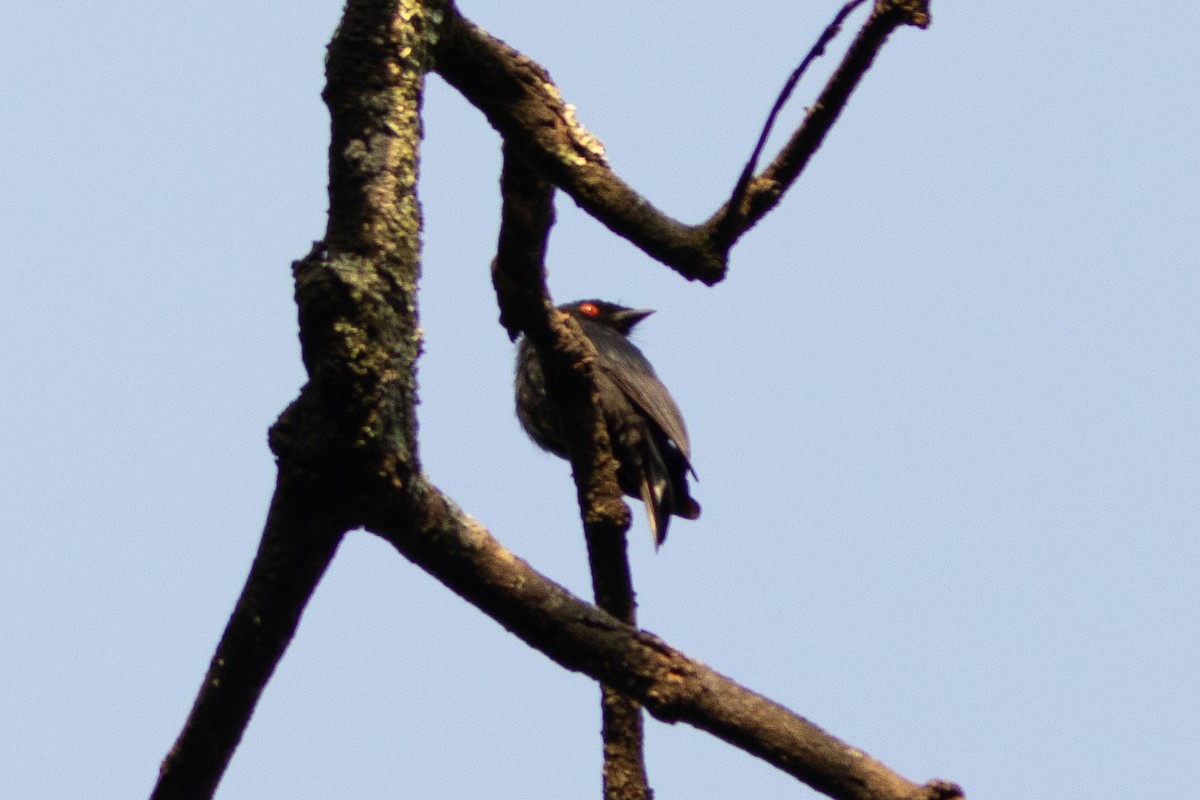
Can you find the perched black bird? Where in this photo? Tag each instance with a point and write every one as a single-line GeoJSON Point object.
{"type": "Point", "coordinates": [644, 425]}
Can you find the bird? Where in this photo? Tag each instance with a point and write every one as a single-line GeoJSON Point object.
{"type": "Point", "coordinates": [645, 428]}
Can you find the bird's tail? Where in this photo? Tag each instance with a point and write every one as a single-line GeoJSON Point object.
{"type": "Point", "coordinates": [664, 494]}
{"type": "Point", "coordinates": [654, 493]}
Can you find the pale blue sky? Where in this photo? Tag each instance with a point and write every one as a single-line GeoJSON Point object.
{"type": "Point", "coordinates": [943, 411]}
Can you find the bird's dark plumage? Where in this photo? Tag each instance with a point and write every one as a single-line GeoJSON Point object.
{"type": "Point", "coordinates": [645, 427]}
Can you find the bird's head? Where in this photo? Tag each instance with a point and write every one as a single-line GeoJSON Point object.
{"type": "Point", "coordinates": [617, 317]}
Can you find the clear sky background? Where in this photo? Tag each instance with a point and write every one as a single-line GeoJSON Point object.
{"type": "Point", "coordinates": [943, 410]}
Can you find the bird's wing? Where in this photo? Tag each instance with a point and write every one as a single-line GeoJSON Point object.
{"type": "Point", "coordinates": [629, 370]}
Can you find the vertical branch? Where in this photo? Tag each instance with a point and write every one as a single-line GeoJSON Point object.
{"type": "Point", "coordinates": [358, 303]}
{"type": "Point", "coordinates": [351, 432]}
{"type": "Point", "coordinates": [519, 276]}
{"type": "Point", "coordinates": [621, 727]}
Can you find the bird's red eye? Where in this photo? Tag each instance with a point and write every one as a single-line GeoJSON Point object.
{"type": "Point", "coordinates": [589, 310]}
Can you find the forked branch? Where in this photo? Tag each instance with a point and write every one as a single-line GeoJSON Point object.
{"type": "Point", "coordinates": [520, 100]}
{"type": "Point", "coordinates": [347, 448]}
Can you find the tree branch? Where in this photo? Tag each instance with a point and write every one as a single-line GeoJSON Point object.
{"type": "Point", "coordinates": [753, 198]}
{"type": "Point", "coordinates": [520, 100]}
{"type": "Point", "coordinates": [518, 274]}
{"type": "Point", "coordinates": [353, 426]}
{"type": "Point", "coordinates": [432, 532]}
{"type": "Point", "coordinates": [522, 103]}
{"type": "Point", "coordinates": [728, 226]}
{"type": "Point", "coordinates": [297, 546]}
{"type": "Point", "coordinates": [347, 447]}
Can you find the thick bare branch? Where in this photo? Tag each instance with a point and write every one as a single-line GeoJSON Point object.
{"type": "Point", "coordinates": [454, 548]}
{"type": "Point", "coordinates": [520, 100]}
{"type": "Point", "coordinates": [353, 427]}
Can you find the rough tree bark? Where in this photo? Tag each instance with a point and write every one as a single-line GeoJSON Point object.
{"type": "Point", "coordinates": [347, 452]}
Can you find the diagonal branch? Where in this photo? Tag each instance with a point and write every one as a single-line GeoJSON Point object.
{"type": "Point", "coordinates": [754, 197]}
{"type": "Point", "coordinates": [733, 218]}
{"type": "Point", "coordinates": [521, 102]}
{"type": "Point", "coordinates": [297, 546]}
{"type": "Point", "coordinates": [432, 532]}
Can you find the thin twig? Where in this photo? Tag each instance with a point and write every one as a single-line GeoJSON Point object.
{"type": "Point", "coordinates": [755, 196]}
{"type": "Point", "coordinates": [818, 50]}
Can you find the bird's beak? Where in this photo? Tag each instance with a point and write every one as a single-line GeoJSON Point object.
{"type": "Point", "coordinates": [632, 316]}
